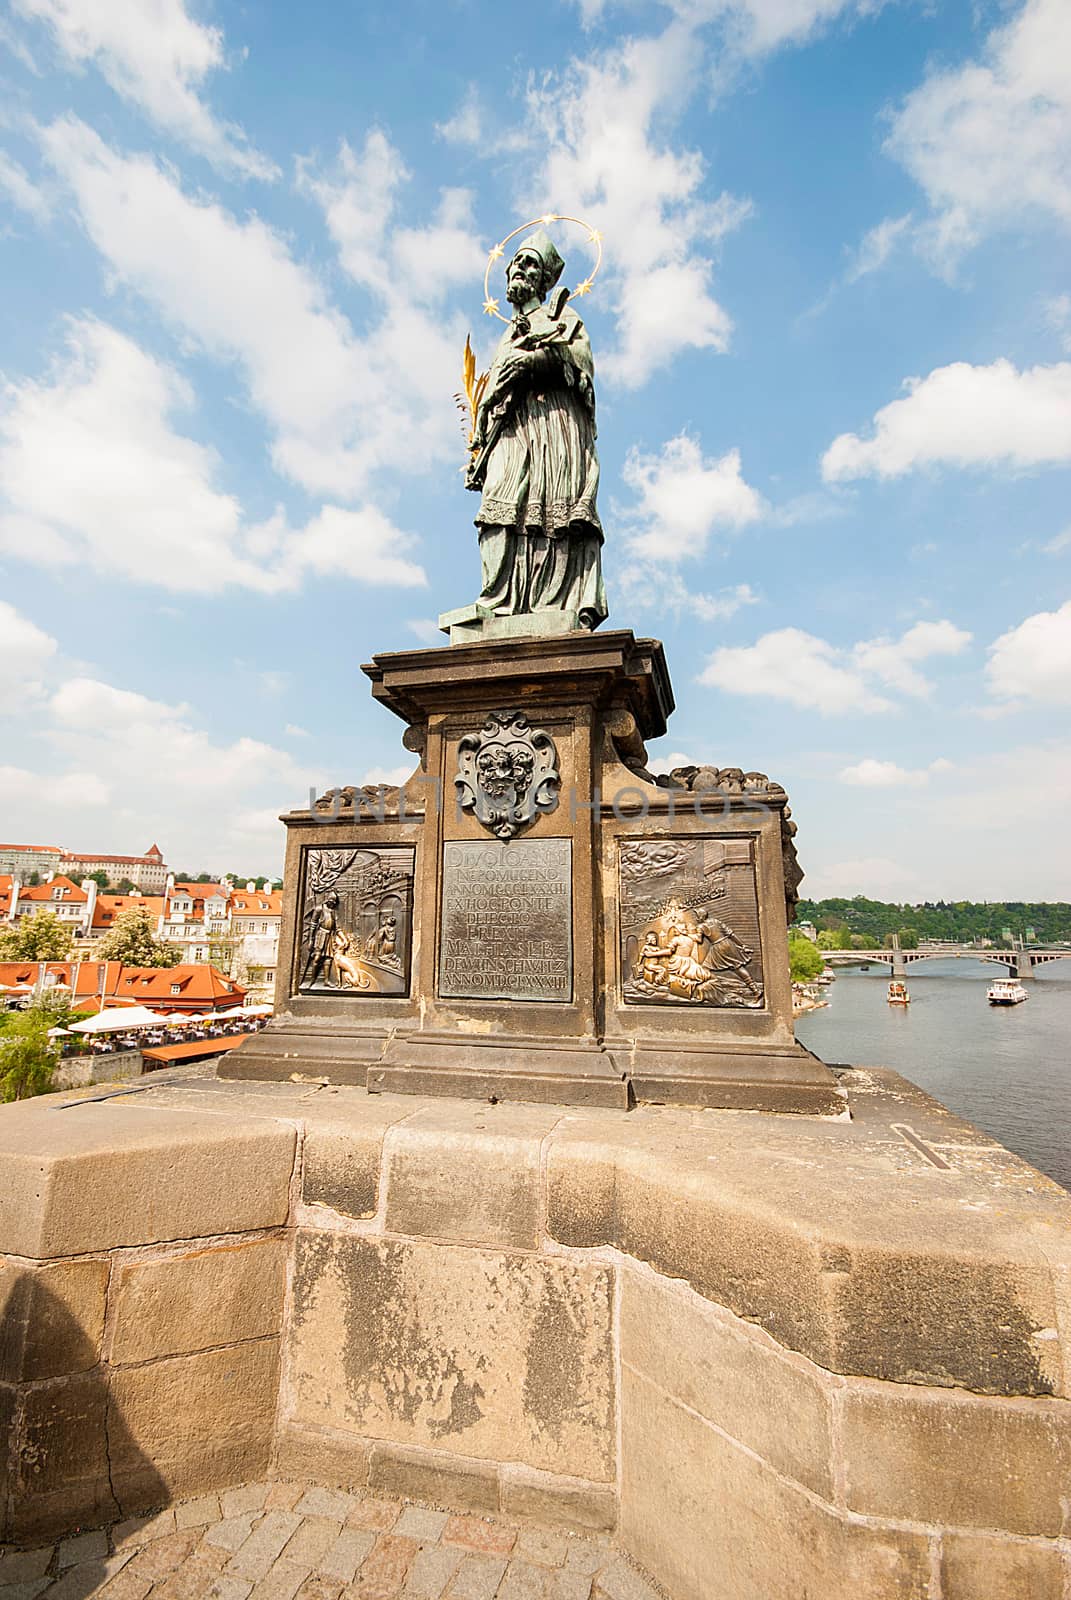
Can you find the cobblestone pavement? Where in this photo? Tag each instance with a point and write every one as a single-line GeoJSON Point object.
{"type": "Point", "coordinates": [287, 1541]}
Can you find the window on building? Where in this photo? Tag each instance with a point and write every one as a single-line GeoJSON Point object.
{"type": "Point", "coordinates": [176, 988]}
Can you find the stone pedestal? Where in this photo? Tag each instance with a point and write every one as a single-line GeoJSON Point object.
{"type": "Point", "coordinates": [533, 916]}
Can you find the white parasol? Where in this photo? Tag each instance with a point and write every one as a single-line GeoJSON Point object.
{"type": "Point", "coordinates": [118, 1020]}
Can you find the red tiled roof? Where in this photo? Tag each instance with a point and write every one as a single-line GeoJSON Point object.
{"type": "Point", "coordinates": [201, 986]}
{"type": "Point", "coordinates": [105, 855]}
{"type": "Point", "coordinates": [109, 906]}
{"type": "Point", "coordinates": [44, 849]}
{"type": "Point", "coordinates": [168, 1054]}
{"type": "Point", "coordinates": [43, 891]}
{"type": "Point", "coordinates": [247, 902]}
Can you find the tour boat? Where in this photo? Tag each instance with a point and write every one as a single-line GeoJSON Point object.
{"type": "Point", "coordinates": [1006, 992]}
{"type": "Point", "coordinates": [898, 995]}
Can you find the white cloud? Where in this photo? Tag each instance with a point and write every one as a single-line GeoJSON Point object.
{"type": "Point", "coordinates": [358, 195]}
{"type": "Point", "coordinates": [153, 53]}
{"type": "Point", "coordinates": [876, 246]}
{"type": "Point", "coordinates": [789, 664]}
{"type": "Point", "coordinates": [894, 661]}
{"type": "Point", "coordinates": [875, 876]}
{"type": "Point", "coordinates": [466, 126]}
{"type": "Point", "coordinates": [22, 191]}
{"type": "Point", "coordinates": [91, 469]}
{"type": "Point", "coordinates": [138, 744]}
{"type": "Point", "coordinates": [755, 27]}
{"type": "Point", "coordinates": [24, 647]}
{"type": "Point", "coordinates": [340, 408]}
{"type": "Point", "coordinates": [792, 665]}
{"type": "Point", "coordinates": [682, 497]}
{"type": "Point", "coordinates": [990, 141]}
{"type": "Point", "coordinates": [35, 794]}
{"type": "Point", "coordinates": [1058, 317]}
{"type": "Point", "coordinates": [1061, 542]}
{"type": "Point", "coordinates": [594, 128]}
{"type": "Point", "coordinates": [874, 774]}
{"type": "Point", "coordinates": [426, 630]}
{"type": "Point", "coordinates": [389, 777]}
{"type": "Point", "coordinates": [963, 416]}
{"type": "Point", "coordinates": [1033, 660]}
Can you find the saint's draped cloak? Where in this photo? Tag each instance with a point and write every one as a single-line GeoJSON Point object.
{"type": "Point", "coordinates": [540, 535]}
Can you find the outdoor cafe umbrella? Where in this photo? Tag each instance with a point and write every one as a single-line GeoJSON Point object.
{"type": "Point", "coordinates": [119, 1020]}
{"type": "Point", "coordinates": [256, 1011]}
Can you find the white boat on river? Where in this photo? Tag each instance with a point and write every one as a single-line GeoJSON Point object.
{"type": "Point", "coordinates": [1006, 992]}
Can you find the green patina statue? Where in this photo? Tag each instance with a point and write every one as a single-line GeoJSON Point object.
{"type": "Point", "coordinates": [534, 464]}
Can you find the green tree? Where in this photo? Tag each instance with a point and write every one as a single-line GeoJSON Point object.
{"type": "Point", "coordinates": [33, 880]}
{"type": "Point", "coordinates": [223, 954]}
{"type": "Point", "coordinates": [28, 1056]}
{"type": "Point", "coordinates": [133, 942]}
{"type": "Point", "coordinates": [100, 877]}
{"type": "Point", "coordinates": [804, 960]}
{"type": "Point", "coordinates": [124, 886]}
{"type": "Point", "coordinates": [42, 937]}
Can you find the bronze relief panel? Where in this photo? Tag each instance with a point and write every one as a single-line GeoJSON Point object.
{"type": "Point", "coordinates": [356, 933]}
{"type": "Point", "coordinates": [689, 922]}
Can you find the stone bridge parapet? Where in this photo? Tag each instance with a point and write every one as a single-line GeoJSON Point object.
{"type": "Point", "coordinates": [775, 1355]}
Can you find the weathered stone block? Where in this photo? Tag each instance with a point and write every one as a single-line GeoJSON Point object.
{"type": "Point", "coordinates": [61, 1478]}
{"type": "Point", "coordinates": [483, 1353]}
{"type": "Point", "coordinates": [469, 1172]}
{"type": "Point", "coordinates": [192, 1423]}
{"type": "Point", "coordinates": [775, 1403]}
{"type": "Point", "coordinates": [973, 1566]}
{"type": "Point", "coordinates": [437, 1479]}
{"type": "Point", "coordinates": [958, 1459]}
{"type": "Point", "coordinates": [8, 1452]}
{"type": "Point", "coordinates": [51, 1318]}
{"type": "Point", "coordinates": [342, 1153]}
{"type": "Point", "coordinates": [542, 1498]}
{"type": "Point", "coordinates": [901, 1280]}
{"type": "Point", "coordinates": [97, 1176]}
{"type": "Point", "coordinates": [322, 1455]}
{"type": "Point", "coordinates": [194, 1301]}
{"type": "Point", "coordinates": [709, 1519]}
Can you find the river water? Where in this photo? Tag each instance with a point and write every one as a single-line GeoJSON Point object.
{"type": "Point", "coordinates": [1005, 1068]}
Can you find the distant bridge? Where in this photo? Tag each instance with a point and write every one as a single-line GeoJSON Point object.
{"type": "Point", "coordinates": [1020, 963]}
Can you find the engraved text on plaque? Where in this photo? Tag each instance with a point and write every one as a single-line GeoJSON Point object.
{"type": "Point", "coordinates": [507, 921]}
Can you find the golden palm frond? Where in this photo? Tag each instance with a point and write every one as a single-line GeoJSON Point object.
{"type": "Point", "coordinates": [474, 387]}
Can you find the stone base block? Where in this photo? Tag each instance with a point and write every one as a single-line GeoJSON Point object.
{"type": "Point", "coordinates": [339, 1051]}
{"type": "Point", "coordinates": [763, 1079]}
{"type": "Point", "coordinates": [470, 624]}
{"type": "Point", "coordinates": [544, 1070]}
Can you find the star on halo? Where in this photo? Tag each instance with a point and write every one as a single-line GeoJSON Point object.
{"type": "Point", "coordinates": [585, 287]}
{"type": "Point", "coordinates": [490, 307]}
{"type": "Point", "coordinates": [497, 251]}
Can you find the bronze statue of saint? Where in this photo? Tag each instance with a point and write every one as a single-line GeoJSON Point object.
{"type": "Point", "coordinates": [534, 462]}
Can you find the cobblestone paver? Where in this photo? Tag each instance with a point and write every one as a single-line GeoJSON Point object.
{"type": "Point", "coordinates": [292, 1541]}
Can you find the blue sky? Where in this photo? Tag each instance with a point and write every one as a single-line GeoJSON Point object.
{"type": "Point", "coordinates": [241, 247]}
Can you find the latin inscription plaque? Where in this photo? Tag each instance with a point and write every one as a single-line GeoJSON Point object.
{"type": "Point", "coordinates": [507, 921]}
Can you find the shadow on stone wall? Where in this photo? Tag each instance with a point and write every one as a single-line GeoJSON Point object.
{"type": "Point", "coordinates": [69, 1462]}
